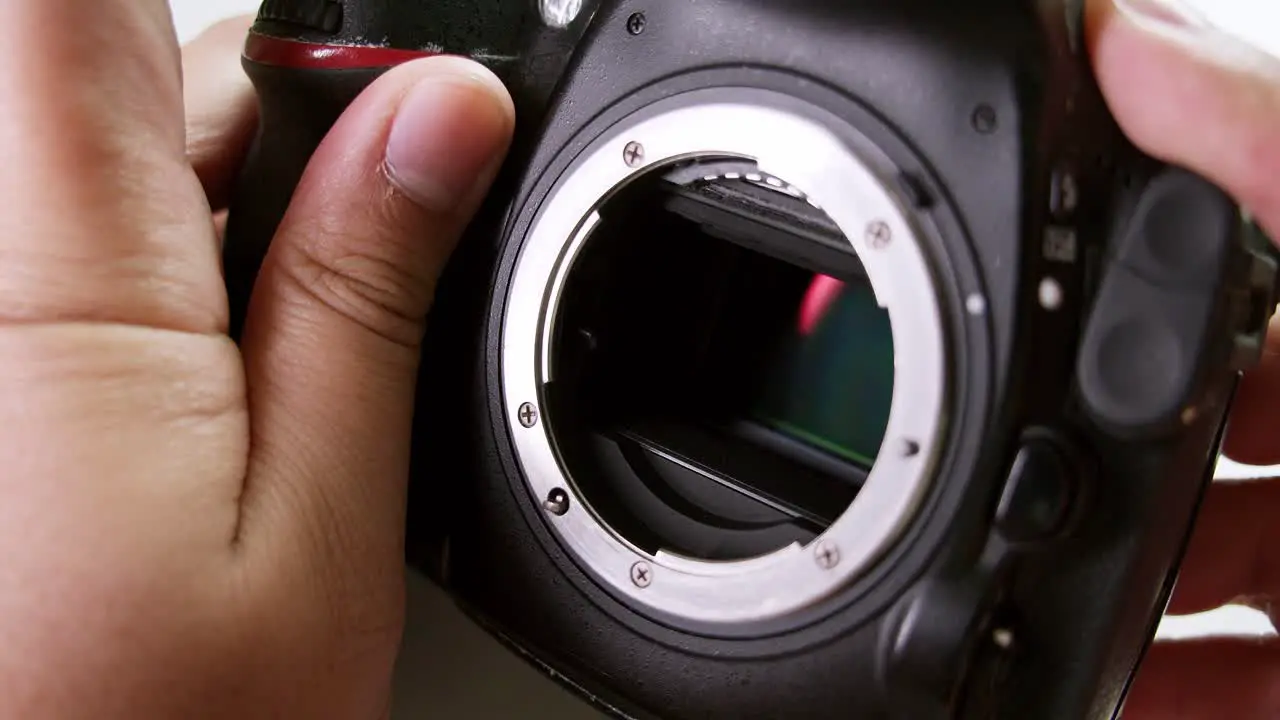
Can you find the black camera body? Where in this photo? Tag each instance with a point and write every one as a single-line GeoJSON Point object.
{"type": "Point", "coordinates": [644, 494]}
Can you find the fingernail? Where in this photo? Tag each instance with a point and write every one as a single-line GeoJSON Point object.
{"type": "Point", "coordinates": [449, 132]}
{"type": "Point", "coordinates": [1166, 15]}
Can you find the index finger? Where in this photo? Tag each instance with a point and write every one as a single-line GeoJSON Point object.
{"type": "Point", "coordinates": [105, 221]}
{"type": "Point", "coordinates": [1192, 95]}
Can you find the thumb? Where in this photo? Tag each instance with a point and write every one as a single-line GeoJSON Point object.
{"type": "Point", "coordinates": [1193, 95]}
{"type": "Point", "coordinates": [331, 341]}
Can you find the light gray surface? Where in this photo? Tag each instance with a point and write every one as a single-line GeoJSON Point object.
{"type": "Point", "coordinates": [450, 669]}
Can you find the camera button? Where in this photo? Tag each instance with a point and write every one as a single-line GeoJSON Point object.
{"type": "Point", "coordinates": [1179, 235]}
{"type": "Point", "coordinates": [1038, 494]}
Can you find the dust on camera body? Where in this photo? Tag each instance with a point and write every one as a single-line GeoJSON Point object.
{"type": "Point", "coordinates": [811, 359]}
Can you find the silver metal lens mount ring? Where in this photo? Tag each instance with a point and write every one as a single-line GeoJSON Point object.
{"type": "Point", "coordinates": [809, 155]}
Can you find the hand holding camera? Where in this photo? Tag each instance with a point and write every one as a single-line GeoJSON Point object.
{"type": "Point", "coordinates": [822, 341]}
{"type": "Point", "coordinates": [807, 360]}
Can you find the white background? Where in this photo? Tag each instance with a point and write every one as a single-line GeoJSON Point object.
{"type": "Point", "coordinates": [449, 669]}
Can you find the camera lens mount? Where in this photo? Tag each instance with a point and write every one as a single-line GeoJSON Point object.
{"type": "Point", "coordinates": [813, 169]}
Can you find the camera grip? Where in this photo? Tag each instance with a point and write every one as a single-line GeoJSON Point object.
{"type": "Point", "coordinates": [302, 89]}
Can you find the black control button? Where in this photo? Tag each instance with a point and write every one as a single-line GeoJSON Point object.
{"type": "Point", "coordinates": [1038, 494]}
{"type": "Point", "coordinates": [1180, 234]}
{"type": "Point", "coordinates": [1152, 325]}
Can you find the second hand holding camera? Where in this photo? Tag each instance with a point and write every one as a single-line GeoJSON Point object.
{"type": "Point", "coordinates": [810, 359]}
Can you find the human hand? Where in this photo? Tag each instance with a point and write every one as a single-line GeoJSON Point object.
{"type": "Point", "coordinates": [190, 528]}
{"type": "Point", "coordinates": [1190, 95]}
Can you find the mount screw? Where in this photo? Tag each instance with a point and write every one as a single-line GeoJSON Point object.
{"type": "Point", "coordinates": [879, 235]}
{"type": "Point", "coordinates": [636, 23]}
{"type": "Point", "coordinates": [642, 574]}
{"type": "Point", "coordinates": [827, 555]}
{"type": "Point", "coordinates": [633, 154]}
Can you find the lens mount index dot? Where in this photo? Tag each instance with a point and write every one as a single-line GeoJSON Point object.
{"type": "Point", "coordinates": [557, 502]}
{"type": "Point", "coordinates": [1051, 294]}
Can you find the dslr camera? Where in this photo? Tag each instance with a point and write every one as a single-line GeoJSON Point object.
{"type": "Point", "coordinates": [810, 359]}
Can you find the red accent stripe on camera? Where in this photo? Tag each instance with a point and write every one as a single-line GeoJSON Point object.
{"type": "Point", "coordinates": [268, 50]}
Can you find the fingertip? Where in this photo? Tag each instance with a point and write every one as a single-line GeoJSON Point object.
{"type": "Point", "coordinates": [384, 138]}
{"type": "Point", "coordinates": [456, 69]}
{"type": "Point", "coordinates": [468, 70]}
{"type": "Point", "coordinates": [1192, 95]}
{"type": "Point", "coordinates": [1175, 18]}
{"type": "Point", "coordinates": [450, 131]}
